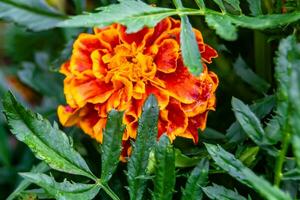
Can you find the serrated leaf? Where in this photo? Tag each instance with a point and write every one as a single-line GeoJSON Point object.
{"type": "Point", "coordinates": [48, 143]}
{"type": "Point", "coordinates": [197, 179]}
{"type": "Point", "coordinates": [112, 144]}
{"type": "Point", "coordinates": [146, 137]}
{"type": "Point", "coordinates": [135, 15]}
{"type": "Point", "coordinates": [34, 15]}
{"type": "Point", "coordinates": [188, 43]}
{"type": "Point", "coordinates": [287, 74]}
{"type": "Point", "coordinates": [219, 192]}
{"type": "Point", "coordinates": [164, 179]}
{"type": "Point", "coordinates": [245, 73]}
{"type": "Point", "coordinates": [294, 86]}
{"type": "Point", "coordinates": [40, 168]}
{"type": "Point", "coordinates": [189, 47]}
{"type": "Point", "coordinates": [223, 26]}
{"type": "Point", "coordinates": [249, 122]}
{"type": "Point", "coordinates": [264, 21]}
{"type": "Point", "coordinates": [236, 169]}
{"type": "Point", "coordinates": [64, 190]}
{"type": "Point", "coordinates": [261, 108]}
{"type": "Point", "coordinates": [255, 7]}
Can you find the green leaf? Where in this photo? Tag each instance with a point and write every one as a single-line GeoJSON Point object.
{"type": "Point", "coordinates": [272, 129]}
{"type": "Point", "coordinates": [249, 122]}
{"type": "Point", "coordinates": [293, 174]}
{"type": "Point", "coordinates": [264, 21]}
{"type": "Point", "coordinates": [296, 148]}
{"type": "Point", "coordinates": [255, 7]}
{"type": "Point", "coordinates": [262, 107]}
{"type": "Point", "coordinates": [40, 168]}
{"type": "Point", "coordinates": [236, 169]}
{"type": "Point", "coordinates": [35, 15]}
{"type": "Point", "coordinates": [38, 193]}
{"type": "Point", "coordinates": [164, 180]}
{"type": "Point", "coordinates": [248, 156]}
{"type": "Point", "coordinates": [146, 137]}
{"type": "Point", "coordinates": [294, 89]}
{"type": "Point", "coordinates": [197, 179]}
{"type": "Point", "coordinates": [188, 43]}
{"type": "Point", "coordinates": [200, 4]}
{"type": "Point", "coordinates": [112, 144]}
{"type": "Point", "coordinates": [245, 73]}
{"type": "Point", "coordinates": [47, 142]}
{"type": "Point", "coordinates": [220, 4]}
{"type": "Point", "coordinates": [211, 135]}
{"type": "Point", "coordinates": [135, 15]}
{"type": "Point", "coordinates": [287, 74]}
{"type": "Point", "coordinates": [189, 47]}
{"type": "Point", "coordinates": [64, 190]}
{"type": "Point", "coordinates": [235, 4]}
{"type": "Point", "coordinates": [223, 26]}
{"type": "Point", "coordinates": [64, 55]}
{"type": "Point", "coordinates": [182, 160]}
{"type": "Point", "coordinates": [219, 192]}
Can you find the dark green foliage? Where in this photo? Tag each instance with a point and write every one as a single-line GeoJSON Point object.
{"type": "Point", "coordinates": [135, 15]}
{"type": "Point", "coordinates": [46, 141]}
{"type": "Point", "coordinates": [65, 190]}
{"type": "Point", "coordinates": [189, 47]}
{"type": "Point", "coordinates": [197, 179]}
{"type": "Point", "coordinates": [249, 122]}
{"type": "Point", "coordinates": [111, 148]}
{"type": "Point", "coordinates": [137, 164]}
{"type": "Point", "coordinates": [219, 192]}
{"type": "Point", "coordinates": [164, 175]}
{"type": "Point", "coordinates": [5, 156]}
{"type": "Point", "coordinates": [40, 168]}
{"type": "Point", "coordinates": [243, 71]}
{"type": "Point", "coordinates": [235, 168]}
{"type": "Point", "coordinates": [223, 25]}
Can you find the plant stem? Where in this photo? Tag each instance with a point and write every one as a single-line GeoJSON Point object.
{"type": "Point", "coordinates": [281, 157]}
{"type": "Point", "coordinates": [107, 190]}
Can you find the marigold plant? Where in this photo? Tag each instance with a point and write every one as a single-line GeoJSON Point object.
{"type": "Point", "coordinates": [112, 99]}
{"type": "Point", "coordinates": [111, 69]}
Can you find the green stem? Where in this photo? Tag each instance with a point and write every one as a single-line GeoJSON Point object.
{"type": "Point", "coordinates": [281, 157]}
{"type": "Point", "coordinates": [108, 191]}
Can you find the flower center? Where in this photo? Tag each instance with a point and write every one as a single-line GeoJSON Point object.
{"type": "Point", "coordinates": [129, 61]}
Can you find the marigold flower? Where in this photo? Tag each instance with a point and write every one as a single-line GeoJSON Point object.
{"type": "Point", "coordinates": [111, 69]}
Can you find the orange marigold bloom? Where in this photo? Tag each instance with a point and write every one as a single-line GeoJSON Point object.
{"type": "Point", "coordinates": [111, 69]}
